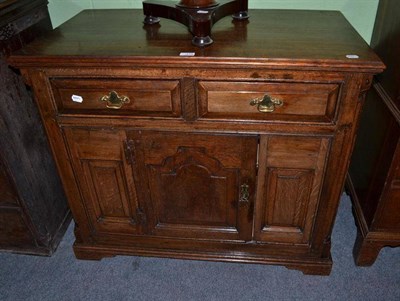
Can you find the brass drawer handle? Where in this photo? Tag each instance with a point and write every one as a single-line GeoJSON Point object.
{"type": "Point", "coordinates": [266, 104]}
{"type": "Point", "coordinates": [114, 101]}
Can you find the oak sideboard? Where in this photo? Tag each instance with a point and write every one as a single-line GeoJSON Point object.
{"type": "Point", "coordinates": [233, 152]}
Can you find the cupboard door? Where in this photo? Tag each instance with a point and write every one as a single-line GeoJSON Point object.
{"type": "Point", "coordinates": [105, 180]}
{"type": "Point", "coordinates": [197, 186]}
{"type": "Point", "coordinates": [289, 184]}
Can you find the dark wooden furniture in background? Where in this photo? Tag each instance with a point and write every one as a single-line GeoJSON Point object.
{"type": "Point", "coordinates": [374, 175]}
{"type": "Point", "coordinates": [238, 153]}
{"type": "Point", "coordinates": [34, 212]}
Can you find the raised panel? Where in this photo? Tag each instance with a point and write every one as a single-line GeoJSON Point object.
{"type": "Point", "coordinates": [193, 191]}
{"type": "Point", "coordinates": [105, 179]}
{"type": "Point", "coordinates": [147, 97]}
{"type": "Point", "coordinates": [289, 184]}
{"type": "Point", "coordinates": [301, 101]}
{"type": "Point", "coordinates": [288, 196]}
{"type": "Point", "coordinates": [110, 195]}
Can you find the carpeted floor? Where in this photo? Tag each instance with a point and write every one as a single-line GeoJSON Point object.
{"type": "Point", "coordinates": [62, 277]}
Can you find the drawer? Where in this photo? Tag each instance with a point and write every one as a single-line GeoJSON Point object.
{"type": "Point", "coordinates": [315, 102]}
{"type": "Point", "coordinates": [154, 98]}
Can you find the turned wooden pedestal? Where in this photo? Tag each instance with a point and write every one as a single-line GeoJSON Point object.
{"type": "Point", "coordinates": [198, 15]}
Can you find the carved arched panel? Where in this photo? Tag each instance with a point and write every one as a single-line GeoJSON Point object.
{"type": "Point", "coordinates": [192, 191]}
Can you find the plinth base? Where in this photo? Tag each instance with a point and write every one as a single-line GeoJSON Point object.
{"type": "Point", "coordinates": [199, 20]}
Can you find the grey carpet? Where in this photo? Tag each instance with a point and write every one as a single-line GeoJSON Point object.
{"type": "Point", "coordinates": [62, 277]}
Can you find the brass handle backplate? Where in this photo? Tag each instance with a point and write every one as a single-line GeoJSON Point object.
{"type": "Point", "coordinates": [114, 101]}
{"type": "Point", "coordinates": [244, 194]}
{"type": "Point", "coordinates": [266, 104]}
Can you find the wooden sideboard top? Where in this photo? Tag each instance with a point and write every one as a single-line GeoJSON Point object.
{"type": "Point", "coordinates": [277, 38]}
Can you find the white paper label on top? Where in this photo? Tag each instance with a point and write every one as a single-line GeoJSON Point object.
{"type": "Point", "coordinates": [77, 98]}
{"type": "Point", "coordinates": [187, 54]}
{"type": "Point", "coordinates": [352, 56]}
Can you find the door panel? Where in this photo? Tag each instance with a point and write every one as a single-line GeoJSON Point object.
{"type": "Point", "coordinates": [105, 180]}
{"type": "Point", "coordinates": [290, 180]}
{"type": "Point", "coordinates": [193, 183]}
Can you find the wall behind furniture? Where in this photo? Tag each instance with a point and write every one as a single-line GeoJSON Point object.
{"type": "Point", "coordinates": [360, 13]}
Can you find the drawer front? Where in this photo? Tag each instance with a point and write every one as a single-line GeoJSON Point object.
{"type": "Point", "coordinates": [154, 98]}
{"type": "Point", "coordinates": [315, 102]}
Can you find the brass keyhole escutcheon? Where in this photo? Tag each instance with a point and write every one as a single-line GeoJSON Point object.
{"type": "Point", "coordinates": [114, 101]}
{"type": "Point", "coordinates": [266, 104]}
{"type": "Point", "coordinates": [244, 193]}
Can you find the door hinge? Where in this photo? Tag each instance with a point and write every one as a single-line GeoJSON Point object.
{"type": "Point", "coordinates": [128, 149]}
